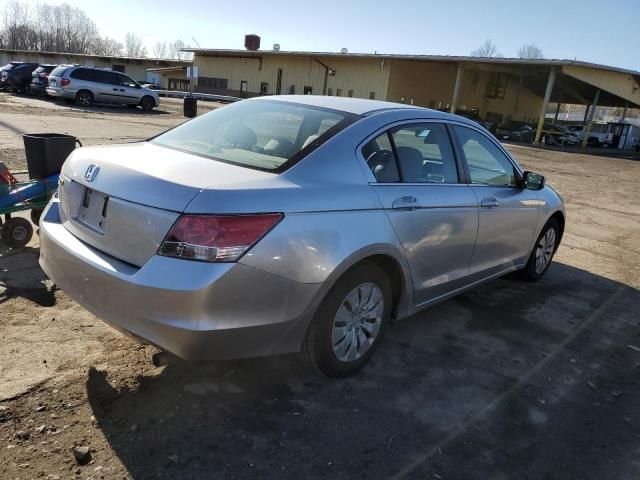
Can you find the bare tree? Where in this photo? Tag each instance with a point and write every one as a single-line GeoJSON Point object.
{"type": "Point", "coordinates": [133, 46]}
{"type": "Point", "coordinates": [530, 51]}
{"type": "Point", "coordinates": [160, 50]}
{"type": "Point", "coordinates": [47, 28]}
{"type": "Point", "coordinates": [107, 46]}
{"type": "Point", "coordinates": [175, 48]}
{"type": "Point", "coordinates": [487, 49]}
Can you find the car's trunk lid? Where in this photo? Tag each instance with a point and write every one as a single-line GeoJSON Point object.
{"type": "Point", "coordinates": [123, 199]}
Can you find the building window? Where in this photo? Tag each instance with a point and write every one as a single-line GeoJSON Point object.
{"type": "Point", "coordinates": [308, 90]}
{"type": "Point", "coordinates": [338, 92]}
{"type": "Point", "coordinates": [350, 93]}
{"type": "Point", "coordinates": [372, 95]}
{"type": "Point", "coordinates": [118, 68]}
{"type": "Point", "coordinates": [264, 88]}
{"type": "Point", "coordinates": [180, 84]}
{"type": "Point", "coordinates": [329, 91]}
{"type": "Point", "coordinates": [212, 82]}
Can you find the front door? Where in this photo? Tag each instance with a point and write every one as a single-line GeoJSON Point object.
{"type": "Point", "coordinates": [508, 214]}
{"type": "Point", "coordinates": [434, 215]}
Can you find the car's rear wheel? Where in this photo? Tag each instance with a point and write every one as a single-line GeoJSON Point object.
{"type": "Point", "coordinates": [84, 98]}
{"type": "Point", "coordinates": [543, 251]}
{"type": "Point", "coordinates": [350, 322]}
{"type": "Point", "coordinates": [147, 104]}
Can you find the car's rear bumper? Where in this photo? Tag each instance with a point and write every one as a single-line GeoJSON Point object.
{"type": "Point", "coordinates": [60, 92]}
{"type": "Point", "coordinates": [194, 310]}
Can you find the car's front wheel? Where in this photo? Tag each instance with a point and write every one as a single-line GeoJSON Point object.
{"type": "Point", "coordinates": [543, 251]}
{"type": "Point", "coordinates": [350, 322]}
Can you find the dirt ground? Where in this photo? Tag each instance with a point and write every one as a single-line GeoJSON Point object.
{"type": "Point", "coordinates": [510, 380]}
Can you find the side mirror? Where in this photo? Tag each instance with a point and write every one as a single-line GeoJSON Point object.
{"type": "Point", "coordinates": [533, 181]}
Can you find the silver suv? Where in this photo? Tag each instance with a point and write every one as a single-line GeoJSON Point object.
{"type": "Point", "coordinates": [84, 86]}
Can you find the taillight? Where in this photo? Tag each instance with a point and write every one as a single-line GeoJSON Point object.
{"type": "Point", "coordinates": [210, 238]}
{"type": "Point", "coordinates": [64, 82]}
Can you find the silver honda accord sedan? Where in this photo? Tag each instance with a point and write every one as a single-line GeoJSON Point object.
{"type": "Point", "coordinates": [293, 224]}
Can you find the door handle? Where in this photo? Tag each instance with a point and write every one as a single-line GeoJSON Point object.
{"type": "Point", "coordinates": [489, 202]}
{"type": "Point", "coordinates": [406, 202]}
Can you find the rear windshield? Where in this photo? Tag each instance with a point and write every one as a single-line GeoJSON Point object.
{"type": "Point", "coordinates": [264, 134]}
{"type": "Point", "coordinates": [59, 71]}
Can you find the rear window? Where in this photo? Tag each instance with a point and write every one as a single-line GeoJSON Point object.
{"type": "Point", "coordinates": [59, 71]}
{"type": "Point", "coordinates": [84, 74]}
{"type": "Point", "coordinates": [264, 134]}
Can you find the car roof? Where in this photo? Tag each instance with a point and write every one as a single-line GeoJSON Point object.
{"type": "Point", "coordinates": [357, 106]}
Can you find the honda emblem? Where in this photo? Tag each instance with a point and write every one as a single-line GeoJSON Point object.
{"type": "Point", "coordinates": [91, 173]}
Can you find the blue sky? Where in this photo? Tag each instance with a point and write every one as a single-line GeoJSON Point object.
{"type": "Point", "coordinates": [562, 29]}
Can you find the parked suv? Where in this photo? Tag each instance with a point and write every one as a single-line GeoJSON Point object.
{"type": "Point", "coordinates": [84, 86]}
{"type": "Point", "coordinates": [16, 76]}
{"type": "Point", "coordinates": [39, 79]}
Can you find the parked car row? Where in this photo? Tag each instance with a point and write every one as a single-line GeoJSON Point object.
{"type": "Point", "coordinates": [77, 84]}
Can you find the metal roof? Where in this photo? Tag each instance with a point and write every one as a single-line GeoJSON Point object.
{"type": "Point", "coordinates": [87, 55]}
{"type": "Point", "coordinates": [432, 58]}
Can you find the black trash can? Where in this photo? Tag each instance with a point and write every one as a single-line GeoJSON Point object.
{"type": "Point", "coordinates": [190, 107]}
{"type": "Point", "coordinates": [46, 152]}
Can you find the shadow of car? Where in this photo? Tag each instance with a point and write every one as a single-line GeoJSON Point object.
{"type": "Point", "coordinates": [492, 372]}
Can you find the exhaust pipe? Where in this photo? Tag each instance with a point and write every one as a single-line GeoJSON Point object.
{"type": "Point", "coordinates": [162, 359]}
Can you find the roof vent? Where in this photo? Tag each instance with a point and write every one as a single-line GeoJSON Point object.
{"type": "Point", "coordinates": [252, 42]}
{"type": "Point", "coordinates": [344, 50]}
{"type": "Point", "coordinates": [276, 47]}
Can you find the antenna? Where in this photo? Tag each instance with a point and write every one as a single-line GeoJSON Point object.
{"type": "Point", "coordinates": [196, 41]}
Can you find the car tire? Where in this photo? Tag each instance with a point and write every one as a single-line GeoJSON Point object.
{"type": "Point", "coordinates": [334, 342]}
{"type": "Point", "coordinates": [543, 251]}
{"type": "Point", "coordinates": [147, 103]}
{"type": "Point", "coordinates": [35, 214]}
{"type": "Point", "coordinates": [84, 98]}
{"type": "Point", "coordinates": [17, 232]}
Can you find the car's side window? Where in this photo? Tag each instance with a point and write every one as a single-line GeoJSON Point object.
{"type": "Point", "coordinates": [379, 156]}
{"type": "Point", "coordinates": [488, 165]}
{"type": "Point", "coordinates": [425, 154]}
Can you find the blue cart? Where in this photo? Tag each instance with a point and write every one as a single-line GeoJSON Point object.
{"type": "Point", "coordinates": [17, 196]}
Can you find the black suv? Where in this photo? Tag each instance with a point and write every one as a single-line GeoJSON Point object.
{"type": "Point", "coordinates": [16, 76]}
{"type": "Point", "coordinates": [40, 79]}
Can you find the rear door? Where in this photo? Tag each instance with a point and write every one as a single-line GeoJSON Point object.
{"type": "Point", "coordinates": [434, 215]}
{"type": "Point", "coordinates": [508, 214]}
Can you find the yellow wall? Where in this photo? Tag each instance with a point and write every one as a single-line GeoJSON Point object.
{"type": "Point", "coordinates": [360, 75]}
{"type": "Point", "coordinates": [431, 85]}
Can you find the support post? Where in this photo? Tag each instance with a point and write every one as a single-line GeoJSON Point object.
{"type": "Point", "coordinates": [545, 104]}
{"type": "Point", "coordinates": [587, 128]}
{"type": "Point", "coordinates": [624, 112]}
{"type": "Point", "coordinates": [456, 89]}
{"type": "Point", "coordinates": [555, 117]}
{"type": "Point", "coordinates": [586, 114]}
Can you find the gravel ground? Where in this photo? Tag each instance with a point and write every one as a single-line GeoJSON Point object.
{"type": "Point", "coordinates": [510, 380]}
